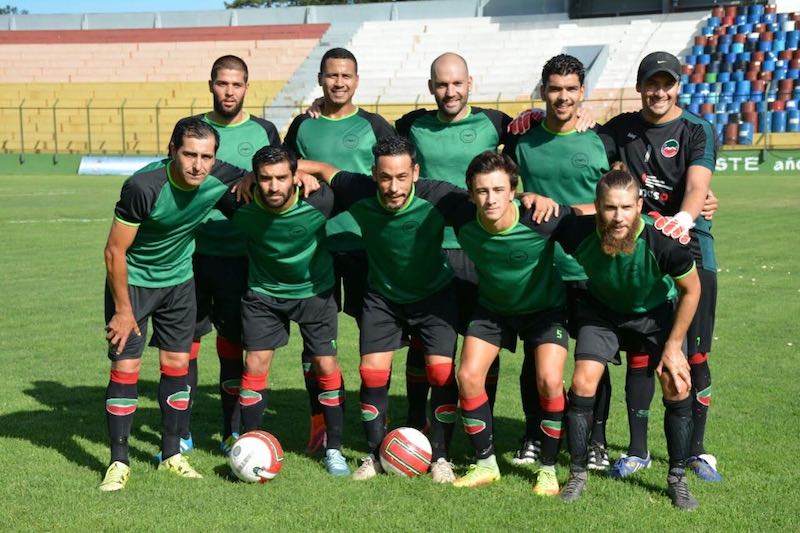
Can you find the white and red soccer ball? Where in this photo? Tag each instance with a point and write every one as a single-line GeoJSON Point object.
{"type": "Point", "coordinates": [256, 457]}
{"type": "Point", "coordinates": [405, 452]}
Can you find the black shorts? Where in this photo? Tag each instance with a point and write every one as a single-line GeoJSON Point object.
{"type": "Point", "coordinates": [543, 327]}
{"type": "Point", "coordinates": [701, 330]}
{"type": "Point", "coordinates": [350, 269]}
{"type": "Point", "coordinates": [173, 311]}
{"type": "Point", "coordinates": [265, 322]}
{"type": "Point", "coordinates": [220, 282]}
{"type": "Point", "coordinates": [433, 320]}
{"type": "Point", "coordinates": [465, 281]}
{"type": "Point", "coordinates": [602, 332]}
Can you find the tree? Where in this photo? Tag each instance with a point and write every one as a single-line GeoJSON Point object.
{"type": "Point", "coordinates": [12, 10]}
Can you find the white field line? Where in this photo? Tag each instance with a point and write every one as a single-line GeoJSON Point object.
{"type": "Point", "coordinates": [58, 221]}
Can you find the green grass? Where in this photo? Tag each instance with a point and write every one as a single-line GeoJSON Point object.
{"type": "Point", "coordinates": [53, 373]}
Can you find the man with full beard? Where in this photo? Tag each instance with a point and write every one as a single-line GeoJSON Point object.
{"type": "Point", "coordinates": [633, 271]}
{"type": "Point", "coordinates": [220, 260]}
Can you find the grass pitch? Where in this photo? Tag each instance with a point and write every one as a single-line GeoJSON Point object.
{"type": "Point", "coordinates": [53, 375]}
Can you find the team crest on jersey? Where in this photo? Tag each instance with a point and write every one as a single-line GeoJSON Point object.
{"type": "Point", "coordinates": [468, 136]}
{"type": "Point", "coordinates": [350, 141]}
{"type": "Point", "coordinates": [516, 257]}
{"type": "Point", "coordinates": [245, 149]}
{"type": "Point", "coordinates": [670, 148]}
{"type": "Point", "coordinates": [580, 160]}
{"type": "Point", "coordinates": [297, 231]}
{"type": "Point", "coordinates": [410, 226]}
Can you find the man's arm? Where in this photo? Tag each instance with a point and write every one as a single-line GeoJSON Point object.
{"type": "Point", "coordinates": [673, 359]}
{"type": "Point", "coordinates": [698, 180]}
{"type": "Point", "coordinates": [318, 169]}
{"type": "Point", "coordinates": [119, 328]}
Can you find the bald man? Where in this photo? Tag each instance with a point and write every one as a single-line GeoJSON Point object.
{"type": "Point", "coordinates": [447, 139]}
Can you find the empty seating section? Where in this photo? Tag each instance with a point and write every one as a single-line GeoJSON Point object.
{"type": "Point", "coordinates": [122, 91]}
{"type": "Point", "coordinates": [743, 72]}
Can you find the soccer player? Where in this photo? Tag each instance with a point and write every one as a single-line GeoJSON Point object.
{"type": "Point", "coordinates": [149, 274]}
{"type": "Point", "coordinates": [520, 294]}
{"type": "Point", "coordinates": [342, 136]}
{"type": "Point", "coordinates": [220, 260]}
{"type": "Point", "coordinates": [632, 271]}
{"type": "Point", "coordinates": [673, 153]}
{"type": "Point", "coordinates": [290, 279]}
{"type": "Point", "coordinates": [560, 162]}
{"type": "Point", "coordinates": [447, 139]}
{"type": "Point", "coordinates": [410, 287]}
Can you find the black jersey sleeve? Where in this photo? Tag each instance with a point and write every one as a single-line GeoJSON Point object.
{"type": "Point", "coordinates": [545, 229]}
{"type": "Point", "coordinates": [572, 230]}
{"type": "Point", "coordinates": [673, 258]}
{"type": "Point", "coordinates": [510, 146]}
{"type": "Point", "coordinates": [228, 204]}
{"type": "Point", "coordinates": [290, 141]}
{"type": "Point", "coordinates": [227, 173]}
{"type": "Point", "coordinates": [703, 148]}
{"type": "Point", "coordinates": [349, 188]}
{"type": "Point", "coordinates": [403, 124]}
{"type": "Point", "coordinates": [380, 127]}
{"type": "Point", "coordinates": [138, 196]}
{"type": "Point", "coordinates": [323, 200]}
{"type": "Point", "coordinates": [463, 215]}
{"type": "Point", "coordinates": [606, 134]}
{"type": "Point", "coordinates": [445, 197]}
{"type": "Point", "coordinates": [270, 129]}
{"type": "Point", "coordinates": [499, 120]}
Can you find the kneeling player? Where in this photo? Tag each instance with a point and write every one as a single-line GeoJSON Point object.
{"type": "Point", "coordinates": [290, 279]}
{"type": "Point", "coordinates": [520, 294]}
{"type": "Point", "coordinates": [632, 272]}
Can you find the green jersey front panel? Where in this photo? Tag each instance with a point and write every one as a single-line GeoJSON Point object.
{"type": "Point", "coordinates": [167, 216]}
{"type": "Point", "coordinates": [515, 267]}
{"type": "Point", "coordinates": [344, 143]}
{"type": "Point", "coordinates": [628, 283]}
{"type": "Point", "coordinates": [445, 149]}
{"type": "Point", "coordinates": [237, 144]}
{"type": "Point", "coordinates": [563, 166]}
{"type": "Point", "coordinates": [404, 246]}
{"type": "Point", "coordinates": [288, 256]}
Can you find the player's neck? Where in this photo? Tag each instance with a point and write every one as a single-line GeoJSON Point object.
{"type": "Point", "coordinates": [290, 202]}
{"type": "Point", "coordinates": [504, 223]}
{"type": "Point", "coordinates": [331, 110]}
{"type": "Point", "coordinates": [464, 113]}
{"type": "Point", "coordinates": [669, 116]}
{"type": "Point", "coordinates": [558, 126]}
{"type": "Point", "coordinates": [227, 121]}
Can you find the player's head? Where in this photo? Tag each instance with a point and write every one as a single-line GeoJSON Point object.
{"type": "Point", "coordinates": [450, 84]}
{"type": "Point", "coordinates": [338, 77]}
{"type": "Point", "coordinates": [228, 85]}
{"type": "Point", "coordinates": [193, 148]}
{"type": "Point", "coordinates": [562, 87]}
{"type": "Point", "coordinates": [395, 170]}
{"type": "Point", "coordinates": [274, 168]}
{"type": "Point", "coordinates": [492, 180]}
{"type": "Point", "coordinates": [658, 83]}
{"type": "Point", "coordinates": [619, 204]}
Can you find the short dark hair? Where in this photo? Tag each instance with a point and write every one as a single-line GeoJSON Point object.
{"type": "Point", "coordinates": [563, 65]}
{"type": "Point", "coordinates": [272, 155]}
{"type": "Point", "coordinates": [394, 145]}
{"type": "Point", "coordinates": [337, 53]}
{"type": "Point", "coordinates": [489, 161]}
{"type": "Point", "coordinates": [619, 177]}
{"type": "Point", "coordinates": [231, 63]}
{"type": "Point", "coordinates": [193, 128]}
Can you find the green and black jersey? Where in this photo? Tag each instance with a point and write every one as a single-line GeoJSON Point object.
{"type": "Point", "coordinates": [627, 283]}
{"type": "Point", "coordinates": [287, 253]}
{"type": "Point", "coordinates": [166, 216]}
{"type": "Point", "coordinates": [445, 149]}
{"type": "Point", "coordinates": [344, 143]}
{"type": "Point", "coordinates": [515, 268]}
{"type": "Point", "coordinates": [564, 166]}
{"type": "Point", "coordinates": [237, 144]}
{"type": "Point", "coordinates": [404, 246]}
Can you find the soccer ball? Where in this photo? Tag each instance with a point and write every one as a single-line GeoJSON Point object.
{"type": "Point", "coordinates": [406, 452]}
{"type": "Point", "coordinates": [256, 457]}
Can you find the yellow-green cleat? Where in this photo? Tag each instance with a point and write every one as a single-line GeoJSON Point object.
{"type": "Point", "coordinates": [478, 475]}
{"type": "Point", "coordinates": [546, 482]}
{"type": "Point", "coordinates": [116, 477]}
{"type": "Point", "coordinates": [178, 465]}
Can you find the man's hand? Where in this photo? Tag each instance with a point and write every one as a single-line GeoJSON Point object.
{"type": "Point", "coordinates": [308, 182]}
{"type": "Point", "coordinates": [674, 361]}
{"type": "Point", "coordinates": [585, 120]}
{"type": "Point", "coordinates": [710, 206]}
{"type": "Point", "coordinates": [526, 120]}
{"type": "Point", "coordinates": [544, 206]}
{"type": "Point", "coordinates": [315, 109]}
{"type": "Point", "coordinates": [676, 227]}
{"type": "Point", "coordinates": [244, 188]}
{"type": "Point", "coordinates": [119, 328]}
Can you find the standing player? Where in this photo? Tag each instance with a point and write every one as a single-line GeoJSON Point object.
{"type": "Point", "coordinates": [410, 287]}
{"type": "Point", "coordinates": [447, 139]}
{"type": "Point", "coordinates": [632, 272]}
{"type": "Point", "coordinates": [220, 260]}
{"type": "Point", "coordinates": [342, 136]}
{"type": "Point", "coordinates": [520, 294]}
{"type": "Point", "coordinates": [149, 270]}
{"type": "Point", "coordinates": [564, 164]}
{"type": "Point", "coordinates": [673, 153]}
{"type": "Point", "coordinates": [290, 279]}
